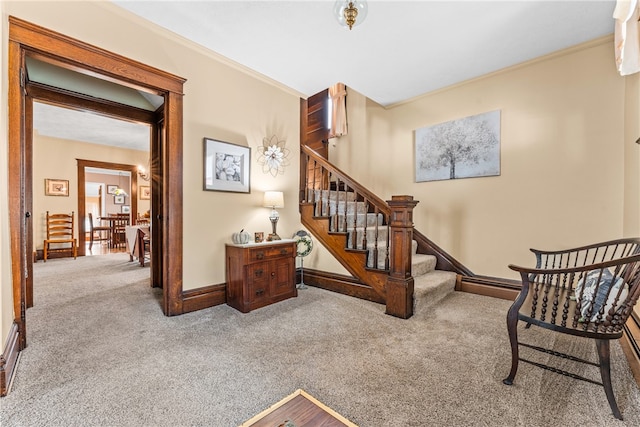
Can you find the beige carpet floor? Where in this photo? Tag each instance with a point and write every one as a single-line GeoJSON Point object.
{"type": "Point", "coordinates": [101, 353]}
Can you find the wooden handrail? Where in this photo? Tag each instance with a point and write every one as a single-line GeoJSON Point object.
{"type": "Point", "coordinates": [346, 179]}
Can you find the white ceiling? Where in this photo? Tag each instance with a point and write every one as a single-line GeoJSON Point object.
{"type": "Point", "coordinates": [402, 49]}
{"type": "Point", "coordinates": [64, 123]}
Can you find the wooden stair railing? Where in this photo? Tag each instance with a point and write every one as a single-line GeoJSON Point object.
{"type": "Point", "coordinates": [368, 236]}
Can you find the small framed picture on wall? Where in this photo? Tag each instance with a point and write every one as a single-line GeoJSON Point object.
{"type": "Point", "coordinates": [126, 209]}
{"type": "Point", "coordinates": [118, 200]}
{"type": "Point", "coordinates": [56, 187]}
{"type": "Point", "coordinates": [145, 192]}
{"type": "Point", "coordinates": [111, 189]}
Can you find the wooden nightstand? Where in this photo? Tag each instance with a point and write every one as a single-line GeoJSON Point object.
{"type": "Point", "coordinates": [260, 274]}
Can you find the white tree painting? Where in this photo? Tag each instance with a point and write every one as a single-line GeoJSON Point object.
{"type": "Point", "coordinates": [461, 148]}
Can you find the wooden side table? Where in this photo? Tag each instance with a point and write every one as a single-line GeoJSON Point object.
{"type": "Point", "coordinates": [259, 274]}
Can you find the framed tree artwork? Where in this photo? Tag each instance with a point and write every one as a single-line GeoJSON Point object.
{"type": "Point", "coordinates": [461, 148]}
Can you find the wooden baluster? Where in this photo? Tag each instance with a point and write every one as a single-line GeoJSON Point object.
{"type": "Point", "coordinates": [323, 202]}
{"type": "Point", "coordinates": [375, 232]}
{"type": "Point", "coordinates": [336, 212]}
{"type": "Point", "coordinates": [364, 232]}
{"type": "Point", "coordinates": [307, 190]}
{"type": "Point", "coordinates": [386, 256]}
{"type": "Point", "coordinates": [335, 221]}
{"type": "Point", "coordinates": [315, 196]}
{"type": "Point", "coordinates": [328, 204]}
{"type": "Point", "coordinates": [310, 172]}
{"type": "Point", "coordinates": [345, 226]}
{"type": "Point", "coordinates": [355, 221]}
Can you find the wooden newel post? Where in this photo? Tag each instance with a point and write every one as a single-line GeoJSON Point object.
{"type": "Point", "coordinates": [400, 281]}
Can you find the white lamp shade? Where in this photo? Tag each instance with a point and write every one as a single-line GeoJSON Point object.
{"type": "Point", "coordinates": [273, 199]}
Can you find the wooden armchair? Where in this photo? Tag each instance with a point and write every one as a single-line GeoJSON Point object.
{"type": "Point", "coordinates": [60, 230]}
{"type": "Point", "coordinates": [587, 292]}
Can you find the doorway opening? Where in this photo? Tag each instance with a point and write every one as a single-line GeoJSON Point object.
{"type": "Point", "coordinates": [27, 40]}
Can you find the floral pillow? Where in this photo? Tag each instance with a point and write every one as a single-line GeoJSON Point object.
{"type": "Point", "coordinates": [607, 291]}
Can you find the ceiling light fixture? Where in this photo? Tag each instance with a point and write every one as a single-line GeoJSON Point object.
{"type": "Point", "coordinates": [120, 191]}
{"type": "Point", "coordinates": [350, 13]}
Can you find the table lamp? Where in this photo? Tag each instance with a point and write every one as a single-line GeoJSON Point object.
{"type": "Point", "coordinates": [273, 200]}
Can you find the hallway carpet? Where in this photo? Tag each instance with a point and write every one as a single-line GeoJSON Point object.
{"type": "Point", "coordinates": [101, 353]}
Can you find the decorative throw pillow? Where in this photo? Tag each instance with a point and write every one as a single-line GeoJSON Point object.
{"type": "Point", "coordinates": [607, 291]}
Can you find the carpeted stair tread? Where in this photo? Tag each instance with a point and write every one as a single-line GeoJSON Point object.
{"type": "Point", "coordinates": [422, 264]}
{"type": "Point", "coordinates": [431, 288]}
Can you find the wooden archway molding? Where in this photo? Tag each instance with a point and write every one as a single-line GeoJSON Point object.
{"type": "Point", "coordinates": [26, 39]}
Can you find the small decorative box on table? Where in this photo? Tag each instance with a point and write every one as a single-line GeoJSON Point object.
{"type": "Point", "coordinates": [259, 274]}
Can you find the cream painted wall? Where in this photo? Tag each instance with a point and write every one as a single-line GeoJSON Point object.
{"type": "Point", "coordinates": [56, 158]}
{"type": "Point", "coordinates": [632, 156]}
{"type": "Point", "coordinates": [562, 179]}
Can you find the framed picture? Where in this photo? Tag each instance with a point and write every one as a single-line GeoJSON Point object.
{"type": "Point", "coordinates": [226, 166]}
{"type": "Point", "coordinates": [145, 192]}
{"type": "Point", "coordinates": [126, 209]}
{"type": "Point", "coordinates": [56, 187]}
{"type": "Point", "coordinates": [461, 148]}
{"type": "Point", "coordinates": [118, 200]}
{"type": "Point", "coordinates": [111, 189]}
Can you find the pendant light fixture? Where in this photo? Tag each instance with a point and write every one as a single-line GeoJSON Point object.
{"type": "Point", "coordinates": [350, 13]}
{"type": "Point", "coordinates": [120, 191]}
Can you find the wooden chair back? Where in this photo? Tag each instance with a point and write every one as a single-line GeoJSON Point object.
{"type": "Point", "coordinates": [97, 230]}
{"type": "Point", "coordinates": [590, 290]}
{"type": "Point", "coordinates": [119, 229]}
{"type": "Point", "coordinates": [60, 229]}
{"type": "Point", "coordinates": [60, 226]}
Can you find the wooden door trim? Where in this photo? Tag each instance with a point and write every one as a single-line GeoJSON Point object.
{"type": "Point", "coordinates": [66, 52]}
{"type": "Point", "coordinates": [81, 102]}
{"type": "Point", "coordinates": [29, 39]}
{"type": "Point", "coordinates": [17, 209]}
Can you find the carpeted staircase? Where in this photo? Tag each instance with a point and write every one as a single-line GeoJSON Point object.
{"type": "Point", "coordinates": [346, 215]}
{"type": "Point", "coordinates": [430, 285]}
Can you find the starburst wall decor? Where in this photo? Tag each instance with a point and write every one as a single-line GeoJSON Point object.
{"type": "Point", "coordinates": [273, 156]}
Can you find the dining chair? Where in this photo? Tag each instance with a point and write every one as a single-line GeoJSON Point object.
{"type": "Point", "coordinates": [60, 230]}
{"type": "Point", "coordinates": [98, 230]}
{"type": "Point", "coordinates": [120, 223]}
